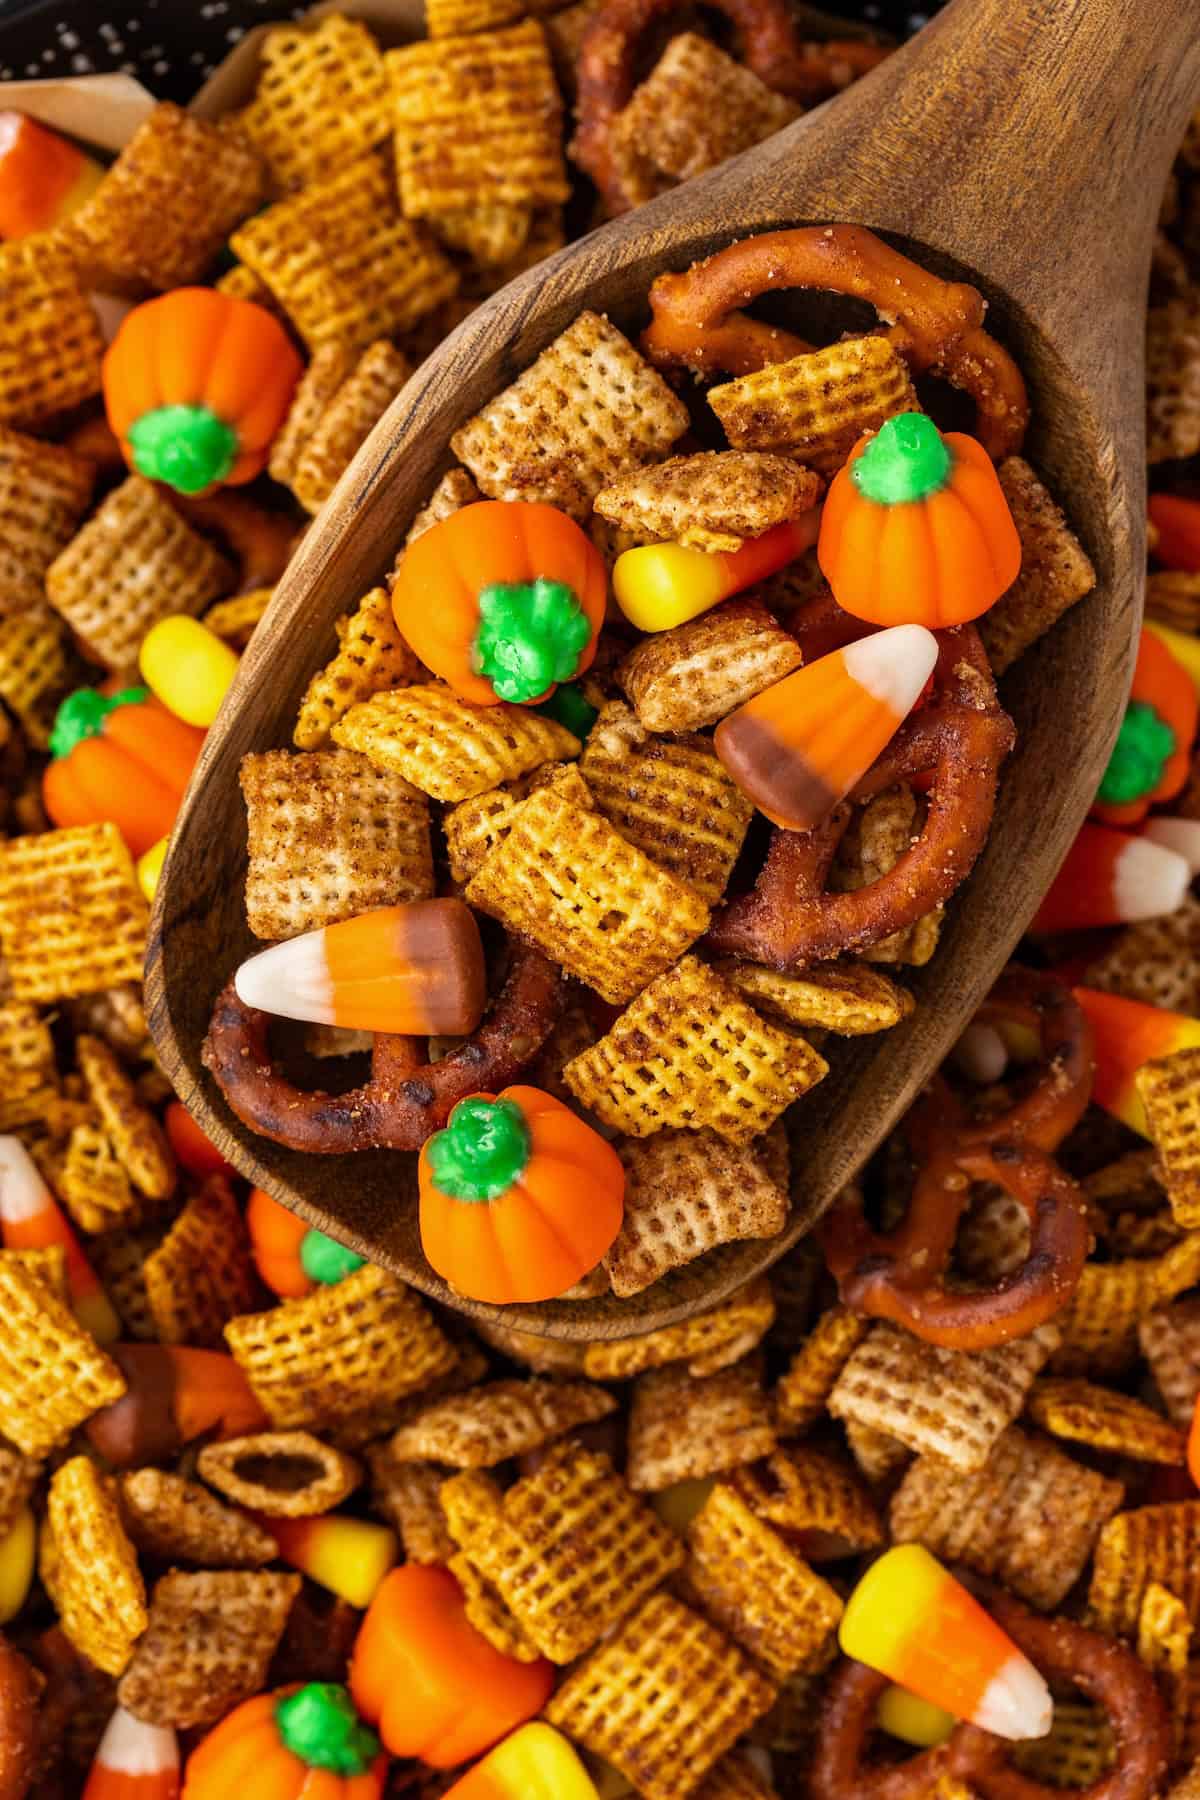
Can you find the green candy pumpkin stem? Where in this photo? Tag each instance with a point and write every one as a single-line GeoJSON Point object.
{"type": "Point", "coordinates": [82, 715]}
{"type": "Point", "coordinates": [188, 447]}
{"type": "Point", "coordinates": [907, 459]}
{"type": "Point", "coordinates": [531, 634]}
{"type": "Point", "coordinates": [319, 1725]}
{"type": "Point", "coordinates": [482, 1150]}
{"type": "Point", "coordinates": [325, 1261]}
{"type": "Point", "coordinates": [1145, 744]}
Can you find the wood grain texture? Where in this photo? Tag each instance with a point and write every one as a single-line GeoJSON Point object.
{"type": "Point", "coordinates": [1018, 144]}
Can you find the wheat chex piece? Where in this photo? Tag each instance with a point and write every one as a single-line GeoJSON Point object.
{"type": "Point", "coordinates": [137, 1137]}
{"type": "Point", "coordinates": [330, 835]}
{"type": "Point", "coordinates": [342, 262]}
{"type": "Point", "coordinates": [321, 99]}
{"type": "Point", "coordinates": [1055, 569]}
{"type": "Point", "coordinates": [878, 836]}
{"type": "Point", "coordinates": [488, 1613]}
{"type": "Point", "coordinates": [1170, 1342]}
{"type": "Point", "coordinates": [281, 1474]}
{"type": "Point", "coordinates": [447, 748]}
{"type": "Point", "coordinates": [28, 1077]}
{"type": "Point", "coordinates": [503, 1419]}
{"type": "Point", "coordinates": [689, 1053]}
{"type": "Point", "coordinates": [1169, 1087]}
{"type": "Point", "coordinates": [53, 1374]}
{"type": "Point", "coordinates": [235, 620]}
{"type": "Point", "coordinates": [814, 1500]}
{"type": "Point", "coordinates": [93, 1184]}
{"type": "Point", "coordinates": [89, 1567]}
{"type": "Point", "coordinates": [1173, 378]}
{"type": "Point", "coordinates": [681, 1429]}
{"type": "Point", "coordinates": [176, 1520]}
{"type": "Point", "coordinates": [1029, 1518]}
{"type": "Point", "coordinates": [1099, 1327]}
{"type": "Point", "coordinates": [1103, 1419]}
{"type": "Point", "coordinates": [201, 1276]}
{"type": "Point", "coordinates": [564, 878]}
{"type": "Point", "coordinates": [841, 997]}
{"type": "Point", "coordinates": [132, 564]}
{"type": "Point", "coordinates": [1077, 1751]}
{"type": "Point", "coordinates": [455, 490]}
{"type": "Point", "coordinates": [803, 1390]}
{"type": "Point", "coordinates": [948, 1403]}
{"type": "Point", "coordinates": [1155, 960]}
{"type": "Point", "coordinates": [358, 405]}
{"type": "Point", "coordinates": [208, 1646]}
{"type": "Point", "coordinates": [44, 493]}
{"type": "Point", "coordinates": [406, 1496]}
{"type": "Point", "coordinates": [587, 410]}
{"type": "Point", "coordinates": [663, 1699]}
{"type": "Point", "coordinates": [713, 500]}
{"type": "Point", "coordinates": [371, 656]}
{"type": "Point", "coordinates": [314, 393]}
{"type": "Point", "coordinates": [1152, 1544]}
{"type": "Point", "coordinates": [697, 107]}
{"type": "Point", "coordinates": [119, 1259]}
{"type": "Point", "coordinates": [670, 796]}
{"type": "Point", "coordinates": [366, 1341]}
{"type": "Point", "coordinates": [72, 917]}
{"type": "Point", "coordinates": [695, 674]}
{"type": "Point", "coordinates": [569, 1548]}
{"type": "Point", "coordinates": [707, 1342]}
{"type": "Point", "coordinates": [51, 344]}
{"type": "Point", "coordinates": [816, 406]}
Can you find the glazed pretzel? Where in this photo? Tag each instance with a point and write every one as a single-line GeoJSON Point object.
{"type": "Point", "coordinates": [935, 325]}
{"type": "Point", "coordinates": [406, 1098]}
{"type": "Point", "coordinates": [18, 1723]}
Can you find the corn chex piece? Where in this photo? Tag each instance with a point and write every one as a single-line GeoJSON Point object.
{"type": "Point", "coordinates": [1077, 1751]}
{"type": "Point", "coordinates": [72, 918]}
{"type": "Point", "coordinates": [671, 797]}
{"type": "Point", "coordinates": [51, 345]}
{"type": "Point", "coordinates": [1152, 1544]}
{"type": "Point", "coordinates": [371, 657]}
{"type": "Point", "coordinates": [713, 500]}
{"type": "Point", "coordinates": [44, 493]}
{"type": "Point", "coordinates": [235, 620]}
{"type": "Point", "coordinates": [321, 99]}
{"type": "Point", "coordinates": [1189, 1787]}
{"type": "Point", "coordinates": [34, 672]}
{"type": "Point", "coordinates": [363, 1425]}
{"type": "Point", "coordinates": [696, 674]}
{"type": "Point", "coordinates": [456, 18]}
{"type": "Point", "coordinates": [281, 1474]}
{"type": "Point", "coordinates": [1173, 378]}
{"type": "Point", "coordinates": [92, 1184]}
{"type": "Point", "coordinates": [137, 1137]}
{"type": "Point", "coordinates": [565, 879]}
{"type": "Point", "coordinates": [330, 835]}
{"type": "Point", "coordinates": [1029, 1517]}
{"type": "Point", "coordinates": [455, 490]}
{"type": "Point", "coordinates": [707, 1342]}
{"type": "Point", "coordinates": [816, 406]}
{"type": "Point", "coordinates": [681, 1429]}
{"type": "Point", "coordinates": [948, 1403]}
{"type": "Point", "coordinates": [1170, 1342]}
{"type": "Point", "coordinates": [241, 283]}
{"type": "Point", "coordinates": [487, 1612]}
{"type": "Point", "coordinates": [757, 1589]}
{"type": "Point", "coordinates": [1170, 1091]}
{"type": "Point", "coordinates": [366, 1341]}
{"type": "Point", "coordinates": [1155, 960]}
{"type": "Point", "coordinates": [119, 1259]}
{"type": "Point", "coordinates": [48, 1265]}
{"type": "Point", "coordinates": [815, 1501]}
{"type": "Point", "coordinates": [697, 107]}
{"type": "Point", "coordinates": [201, 1276]}
{"type": "Point", "coordinates": [1099, 1327]}
{"type": "Point", "coordinates": [689, 1052]}
{"type": "Point", "coordinates": [587, 410]}
{"type": "Point", "coordinates": [28, 1077]}
{"type": "Point", "coordinates": [1055, 569]}
{"type": "Point", "coordinates": [840, 997]}
{"type": "Point", "coordinates": [358, 405]}
{"type": "Point", "coordinates": [314, 393]}
{"type": "Point", "coordinates": [163, 211]}
{"type": "Point", "coordinates": [569, 1548]}
{"type": "Point", "coordinates": [1164, 1635]}
{"type": "Point", "coordinates": [878, 836]}
{"type": "Point", "coordinates": [89, 1567]}
{"type": "Point", "coordinates": [474, 827]}
{"type": "Point", "coordinates": [132, 564]}
{"type": "Point", "coordinates": [1083, 1413]}
{"type": "Point", "coordinates": [447, 748]}
{"type": "Point", "coordinates": [490, 236]}
{"type": "Point", "coordinates": [406, 1496]}
{"type": "Point", "coordinates": [176, 1520]}
{"type": "Point", "coordinates": [1173, 597]}
{"type": "Point", "coordinates": [663, 1699]}
{"type": "Point", "coordinates": [208, 1646]}
{"type": "Point", "coordinates": [685, 1193]}
{"type": "Point", "coordinates": [503, 1419]}
{"type": "Point", "coordinates": [342, 262]}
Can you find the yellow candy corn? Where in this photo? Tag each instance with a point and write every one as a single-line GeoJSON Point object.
{"type": "Point", "coordinates": [661, 585]}
{"type": "Point", "coordinates": [149, 868]}
{"type": "Point", "coordinates": [534, 1762]}
{"type": "Point", "coordinates": [1183, 646]}
{"type": "Point", "coordinates": [187, 667]}
{"type": "Point", "coordinates": [348, 1556]}
{"type": "Point", "coordinates": [18, 1548]}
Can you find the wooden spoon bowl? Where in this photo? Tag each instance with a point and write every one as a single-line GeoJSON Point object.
{"type": "Point", "coordinates": [1017, 144]}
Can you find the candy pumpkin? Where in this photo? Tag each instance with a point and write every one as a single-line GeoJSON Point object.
{"type": "Point", "coordinates": [193, 1149]}
{"type": "Point", "coordinates": [503, 600]}
{"type": "Point", "coordinates": [916, 529]}
{"type": "Point", "coordinates": [303, 1743]}
{"type": "Point", "coordinates": [1152, 753]}
{"type": "Point", "coordinates": [122, 757]}
{"type": "Point", "coordinates": [518, 1197]}
{"type": "Point", "coordinates": [196, 385]}
{"type": "Point", "coordinates": [293, 1258]}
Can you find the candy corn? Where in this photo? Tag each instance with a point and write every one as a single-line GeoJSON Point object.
{"type": "Point", "coordinates": [135, 1761]}
{"type": "Point", "coordinates": [18, 1551]}
{"type": "Point", "coordinates": [1126, 1034]}
{"type": "Point", "coordinates": [193, 1150]}
{"type": "Point", "coordinates": [1177, 524]}
{"type": "Point", "coordinates": [661, 585]}
{"type": "Point", "coordinates": [31, 1219]}
{"type": "Point", "coordinates": [173, 1395]}
{"type": "Point", "coordinates": [348, 1556]}
{"type": "Point", "coordinates": [1110, 877]}
{"type": "Point", "coordinates": [1183, 646]}
{"type": "Point", "coordinates": [910, 1619]}
{"type": "Point", "coordinates": [149, 868]}
{"type": "Point", "coordinates": [1180, 835]}
{"type": "Point", "coordinates": [187, 667]}
{"type": "Point", "coordinates": [797, 748]}
{"type": "Point", "coordinates": [43, 178]}
{"type": "Point", "coordinates": [414, 970]}
{"type": "Point", "coordinates": [913, 1720]}
{"type": "Point", "coordinates": [534, 1763]}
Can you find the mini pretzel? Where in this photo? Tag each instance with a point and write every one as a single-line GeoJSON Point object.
{"type": "Point", "coordinates": [935, 325]}
{"type": "Point", "coordinates": [406, 1100]}
{"type": "Point", "coordinates": [18, 1723]}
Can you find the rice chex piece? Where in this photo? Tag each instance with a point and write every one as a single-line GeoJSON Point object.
{"type": "Point", "coordinates": [137, 1137]}
{"type": "Point", "coordinates": [89, 1567]}
{"type": "Point", "coordinates": [371, 656]}
{"type": "Point", "coordinates": [132, 564]}
{"type": "Point", "coordinates": [51, 345]}
{"type": "Point", "coordinates": [280, 1474]}
{"type": "Point", "coordinates": [877, 838]}
{"type": "Point", "coordinates": [72, 918]}
{"type": "Point", "coordinates": [1099, 1327]}
{"type": "Point", "coordinates": [406, 1496]}
{"type": "Point", "coordinates": [569, 1548]}
{"type": "Point", "coordinates": [28, 1076]}
{"type": "Point", "coordinates": [756, 1588]}
{"type": "Point", "coordinates": [596, 904]}
{"type": "Point", "coordinates": [706, 1342]}
{"type": "Point", "coordinates": [44, 493]}
{"type": "Point", "coordinates": [1155, 960]}
{"type": "Point", "coordinates": [663, 1699]}
{"type": "Point", "coordinates": [330, 835]}
{"type": "Point", "coordinates": [586, 411]}
{"type": "Point", "coordinates": [208, 1646]}
{"type": "Point", "coordinates": [455, 490]}
{"type": "Point", "coordinates": [1173, 378]}
{"type": "Point", "coordinates": [689, 1053]}
{"type": "Point", "coordinates": [1152, 1544]}
{"type": "Point", "coordinates": [235, 619]}
{"type": "Point", "coordinates": [695, 674]}
{"type": "Point", "coordinates": [1055, 569]}
{"type": "Point", "coordinates": [670, 796]}
{"type": "Point", "coordinates": [1028, 1518]}
{"type": "Point", "coordinates": [366, 1341]}
{"type": "Point", "coordinates": [878, 1457]}
{"type": "Point", "coordinates": [34, 671]}
{"type": "Point", "coordinates": [816, 406]}
{"type": "Point", "coordinates": [320, 101]}
{"type": "Point", "coordinates": [1169, 1087]}
{"type": "Point", "coordinates": [1170, 1342]}
{"type": "Point", "coordinates": [446, 747]}
{"type": "Point", "coordinates": [356, 408]}
{"type": "Point", "coordinates": [814, 1500]}
{"type": "Point", "coordinates": [1083, 1413]}
{"type": "Point", "coordinates": [342, 262]}
{"type": "Point", "coordinates": [713, 500]}
{"type": "Point", "coordinates": [327, 369]}
{"type": "Point", "coordinates": [840, 997]}
{"type": "Point", "coordinates": [948, 1403]}
{"type": "Point", "coordinates": [503, 1419]}
{"type": "Point", "coordinates": [1077, 1751]}
{"type": "Point", "coordinates": [697, 107]}
{"type": "Point", "coordinates": [201, 1275]}
{"type": "Point", "coordinates": [164, 209]}
{"type": "Point", "coordinates": [681, 1429]}
{"type": "Point", "coordinates": [685, 1193]}
{"type": "Point", "coordinates": [176, 1520]}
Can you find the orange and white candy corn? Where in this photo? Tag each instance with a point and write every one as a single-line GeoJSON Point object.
{"type": "Point", "coordinates": [348, 1556]}
{"type": "Point", "coordinates": [659, 586]}
{"type": "Point", "coordinates": [1125, 1034]}
{"type": "Point", "coordinates": [798, 748]}
{"type": "Point", "coordinates": [43, 178]}
{"type": "Point", "coordinates": [415, 971]}
{"type": "Point", "coordinates": [913, 1622]}
{"type": "Point", "coordinates": [135, 1761]}
{"type": "Point", "coordinates": [1180, 835]}
{"type": "Point", "coordinates": [1111, 877]}
{"type": "Point", "coordinates": [31, 1219]}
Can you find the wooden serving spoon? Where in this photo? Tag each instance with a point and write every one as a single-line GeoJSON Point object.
{"type": "Point", "coordinates": [1018, 144]}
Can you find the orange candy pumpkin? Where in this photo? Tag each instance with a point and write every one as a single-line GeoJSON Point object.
{"type": "Point", "coordinates": [303, 1743]}
{"type": "Point", "coordinates": [1152, 754]}
{"type": "Point", "coordinates": [121, 757]}
{"type": "Point", "coordinates": [293, 1258]}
